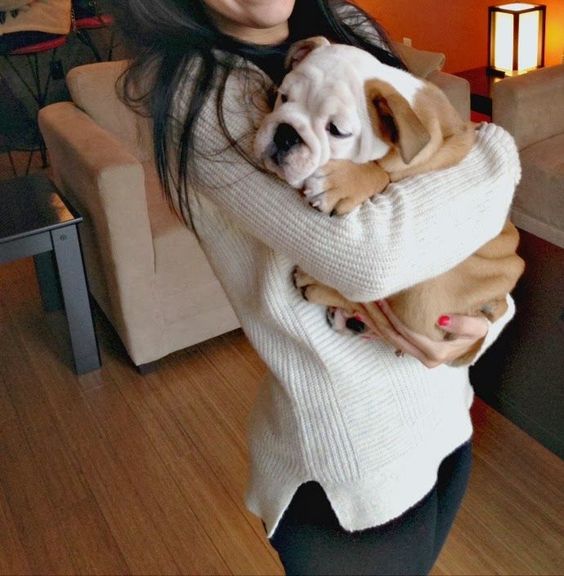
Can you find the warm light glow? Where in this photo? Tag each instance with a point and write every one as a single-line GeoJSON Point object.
{"type": "Point", "coordinates": [528, 26]}
{"type": "Point", "coordinates": [503, 41]}
{"type": "Point", "coordinates": [528, 41]}
{"type": "Point", "coordinates": [517, 6]}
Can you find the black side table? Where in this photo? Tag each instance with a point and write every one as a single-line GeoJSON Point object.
{"type": "Point", "coordinates": [481, 83]}
{"type": "Point", "coordinates": [36, 221]}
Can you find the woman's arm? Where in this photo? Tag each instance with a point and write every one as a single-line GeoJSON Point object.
{"type": "Point", "coordinates": [417, 229]}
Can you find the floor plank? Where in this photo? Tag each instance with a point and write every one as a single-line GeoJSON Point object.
{"type": "Point", "coordinates": [219, 510]}
{"type": "Point", "coordinates": [512, 518]}
{"type": "Point", "coordinates": [13, 557]}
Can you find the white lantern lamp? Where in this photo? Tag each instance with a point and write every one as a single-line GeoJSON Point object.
{"type": "Point", "coordinates": [516, 38]}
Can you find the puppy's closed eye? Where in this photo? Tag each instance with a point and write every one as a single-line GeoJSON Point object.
{"type": "Point", "coordinates": [333, 129]}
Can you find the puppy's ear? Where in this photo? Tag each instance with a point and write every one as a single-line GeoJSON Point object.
{"type": "Point", "coordinates": [396, 119]}
{"type": "Point", "coordinates": [299, 50]}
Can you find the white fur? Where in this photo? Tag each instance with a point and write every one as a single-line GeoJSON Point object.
{"type": "Point", "coordinates": [328, 86]}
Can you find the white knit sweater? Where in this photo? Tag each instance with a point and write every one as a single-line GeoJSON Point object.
{"type": "Point", "coordinates": [371, 428]}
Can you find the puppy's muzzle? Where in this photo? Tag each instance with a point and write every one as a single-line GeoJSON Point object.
{"type": "Point", "coordinates": [285, 138]}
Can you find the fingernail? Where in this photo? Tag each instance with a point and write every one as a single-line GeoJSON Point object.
{"type": "Point", "coordinates": [444, 321]}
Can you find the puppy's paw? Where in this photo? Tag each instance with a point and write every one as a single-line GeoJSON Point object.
{"type": "Point", "coordinates": [302, 281]}
{"type": "Point", "coordinates": [315, 292]}
{"type": "Point", "coordinates": [341, 185]}
{"type": "Point", "coordinates": [344, 322]}
{"type": "Point", "coordinates": [331, 202]}
{"type": "Point", "coordinates": [314, 190]}
{"type": "Point", "coordinates": [337, 319]}
{"type": "Point", "coordinates": [327, 193]}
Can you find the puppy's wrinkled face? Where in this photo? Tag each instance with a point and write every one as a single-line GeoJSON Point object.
{"type": "Point", "coordinates": [320, 114]}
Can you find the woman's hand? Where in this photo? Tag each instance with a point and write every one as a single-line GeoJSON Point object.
{"type": "Point", "coordinates": [465, 332]}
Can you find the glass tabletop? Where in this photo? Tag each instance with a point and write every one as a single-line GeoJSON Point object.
{"type": "Point", "coordinates": [30, 205]}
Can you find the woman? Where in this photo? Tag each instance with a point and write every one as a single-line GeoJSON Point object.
{"type": "Point", "coordinates": [359, 458]}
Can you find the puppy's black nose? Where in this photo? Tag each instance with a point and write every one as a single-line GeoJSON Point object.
{"type": "Point", "coordinates": [286, 137]}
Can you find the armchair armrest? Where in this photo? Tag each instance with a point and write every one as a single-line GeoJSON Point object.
{"type": "Point", "coordinates": [457, 90]}
{"type": "Point", "coordinates": [529, 106]}
{"type": "Point", "coordinates": [107, 185]}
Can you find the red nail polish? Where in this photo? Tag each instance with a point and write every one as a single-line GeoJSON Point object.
{"type": "Point", "coordinates": [444, 321]}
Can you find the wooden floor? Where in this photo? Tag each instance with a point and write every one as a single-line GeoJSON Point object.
{"type": "Point", "coordinates": [117, 473]}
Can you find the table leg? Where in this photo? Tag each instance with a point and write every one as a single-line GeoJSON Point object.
{"type": "Point", "coordinates": [75, 295]}
{"type": "Point", "coordinates": [46, 272]}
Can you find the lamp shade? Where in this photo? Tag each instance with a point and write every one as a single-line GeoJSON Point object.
{"type": "Point", "coordinates": [516, 37]}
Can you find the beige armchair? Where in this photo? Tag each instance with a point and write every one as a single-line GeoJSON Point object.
{"type": "Point", "coordinates": [145, 268]}
{"type": "Point", "coordinates": [531, 108]}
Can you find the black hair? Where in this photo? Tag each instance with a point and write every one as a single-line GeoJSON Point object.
{"type": "Point", "coordinates": [168, 37]}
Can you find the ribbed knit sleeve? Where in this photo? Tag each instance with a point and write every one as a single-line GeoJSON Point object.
{"type": "Point", "coordinates": [419, 228]}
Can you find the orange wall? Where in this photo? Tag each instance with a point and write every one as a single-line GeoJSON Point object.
{"type": "Point", "coordinates": [458, 28]}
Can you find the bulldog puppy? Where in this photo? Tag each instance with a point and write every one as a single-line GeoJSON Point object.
{"type": "Point", "coordinates": [340, 103]}
{"type": "Point", "coordinates": [343, 126]}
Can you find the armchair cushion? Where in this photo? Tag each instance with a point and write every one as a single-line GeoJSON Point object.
{"type": "Point", "coordinates": [187, 290]}
{"type": "Point", "coordinates": [93, 89]}
{"type": "Point", "coordinates": [420, 62]}
{"type": "Point", "coordinates": [457, 90]}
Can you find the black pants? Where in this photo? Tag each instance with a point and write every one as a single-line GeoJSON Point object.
{"type": "Point", "coordinates": [309, 539]}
